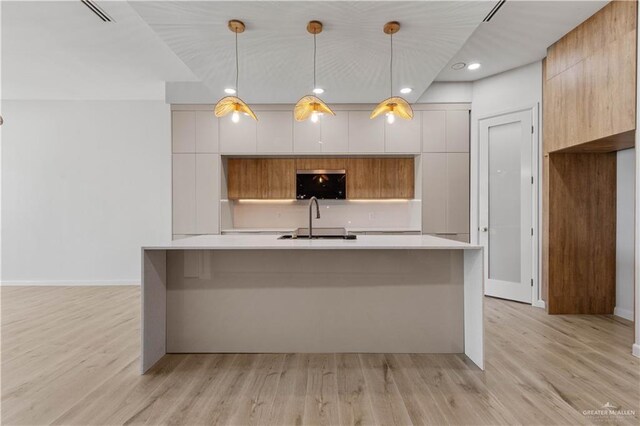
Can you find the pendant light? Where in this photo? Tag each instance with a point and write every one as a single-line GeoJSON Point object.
{"type": "Point", "coordinates": [394, 105]}
{"type": "Point", "coordinates": [233, 104]}
{"type": "Point", "coordinates": [311, 106]}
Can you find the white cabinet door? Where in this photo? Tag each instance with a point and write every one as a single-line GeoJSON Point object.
{"type": "Point", "coordinates": [434, 193]}
{"type": "Point", "coordinates": [457, 131]}
{"type": "Point", "coordinates": [184, 193]}
{"type": "Point", "coordinates": [434, 131]}
{"type": "Point", "coordinates": [206, 132]}
{"type": "Point", "coordinates": [306, 136]}
{"type": "Point", "coordinates": [403, 135]}
{"type": "Point", "coordinates": [207, 193]}
{"type": "Point", "coordinates": [334, 132]}
{"type": "Point", "coordinates": [365, 135]}
{"type": "Point", "coordinates": [238, 137]}
{"type": "Point", "coordinates": [457, 193]}
{"type": "Point", "coordinates": [183, 131]}
{"type": "Point", "coordinates": [275, 131]}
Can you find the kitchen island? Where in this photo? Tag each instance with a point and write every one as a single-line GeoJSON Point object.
{"type": "Point", "coordinates": [257, 293]}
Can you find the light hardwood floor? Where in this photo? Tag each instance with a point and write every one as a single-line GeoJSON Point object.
{"type": "Point", "coordinates": [70, 356]}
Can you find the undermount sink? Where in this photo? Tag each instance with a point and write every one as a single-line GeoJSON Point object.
{"type": "Point", "coordinates": [320, 233]}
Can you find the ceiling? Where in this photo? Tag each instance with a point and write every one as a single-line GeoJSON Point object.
{"type": "Point", "coordinates": [353, 52]}
{"type": "Point", "coordinates": [518, 34]}
{"type": "Point", "coordinates": [61, 50]}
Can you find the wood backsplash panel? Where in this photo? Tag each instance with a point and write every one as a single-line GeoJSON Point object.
{"type": "Point", "coordinates": [582, 233]}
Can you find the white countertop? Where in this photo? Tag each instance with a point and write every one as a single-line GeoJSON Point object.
{"type": "Point", "coordinates": [271, 242]}
{"type": "Point", "coordinates": [291, 230]}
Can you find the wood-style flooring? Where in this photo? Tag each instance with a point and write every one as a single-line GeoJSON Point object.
{"type": "Point", "coordinates": [70, 356]}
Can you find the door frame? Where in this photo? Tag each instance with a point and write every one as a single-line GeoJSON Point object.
{"type": "Point", "coordinates": [536, 194]}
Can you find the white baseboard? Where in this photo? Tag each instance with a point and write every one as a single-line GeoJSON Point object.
{"type": "Point", "coordinates": [68, 283]}
{"type": "Point", "coordinates": [636, 350]}
{"type": "Point", "coordinates": [539, 304]}
{"type": "Point", "coordinates": [623, 313]}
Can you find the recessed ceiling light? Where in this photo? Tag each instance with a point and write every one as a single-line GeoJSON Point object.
{"type": "Point", "coordinates": [318, 91]}
{"type": "Point", "coordinates": [458, 66]}
{"type": "Point", "coordinates": [230, 91]}
{"type": "Point", "coordinates": [406, 90]}
{"type": "Point", "coordinates": [473, 66]}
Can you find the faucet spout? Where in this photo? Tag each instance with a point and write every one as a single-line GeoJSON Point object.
{"type": "Point", "coordinates": [311, 201]}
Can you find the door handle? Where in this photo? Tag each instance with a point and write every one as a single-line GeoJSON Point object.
{"type": "Point", "coordinates": [484, 229]}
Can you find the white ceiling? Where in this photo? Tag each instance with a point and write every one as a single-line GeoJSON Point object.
{"type": "Point", "coordinates": [61, 50]}
{"type": "Point", "coordinates": [353, 52]}
{"type": "Point", "coordinates": [518, 34]}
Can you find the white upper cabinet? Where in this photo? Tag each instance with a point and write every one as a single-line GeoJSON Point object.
{"type": "Point", "coordinates": [184, 193]}
{"type": "Point", "coordinates": [457, 131]}
{"type": "Point", "coordinates": [434, 131]}
{"type": "Point", "coordinates": [183, 131]}
{"type": "Point", "coordinates": [365, 135]}
{"type": "Point", "coordinates": [238, 137]}
{"type": "Point", "coordinates": [403, 135]}
{"type": "Point", "coordinates": [206, 125]}
{"type": "Point", "coordinates": [306, 136]}
{"type": "Point", "coordinates": [275, 131]}
{"type": "Point", "coordinates": [207, 188]}
{"type": "Point", "coordinates": [334, 132]}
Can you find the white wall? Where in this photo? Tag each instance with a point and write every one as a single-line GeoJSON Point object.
{"type": "Point", "coordinates": [447, 92]}
{"type": "Point", "coordinates": [84, 185]}
{"type": "Point", "coordinates": [625, 240]}
{"type": "Point", "coordinates": [510, 91]}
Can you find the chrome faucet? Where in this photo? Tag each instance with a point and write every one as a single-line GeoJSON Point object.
{"type": "Point", "coordinates": [311, 216]}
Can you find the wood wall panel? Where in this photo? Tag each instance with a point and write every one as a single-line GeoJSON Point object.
{"type": "Point", "coordinates": [589, 111]}
{"type": "Point", "coordinates": [582, 229]}
{"type": "Point", "coordinates": [367, 177]}
{"type": "Point", "coordinates": [591, 79]}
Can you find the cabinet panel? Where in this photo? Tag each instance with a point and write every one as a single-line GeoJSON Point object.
{"type": "Point", "coordinates": [321, 163]}
{"type": "Point", "coordinates": [206, 132]}
{"type": "Point", "coordinates": [375, 178]}
{"type": "Point", "coordinates": [334, 132]}
{"type": "Point", "coordinates": [184, 193]}
{"type": "Point", "coordinates": [275, 131]}
{"type": "Point", "coordinates": [237, 137]}
{"type": "Point", "coordinates": [365, 135]}
{"type": "Point", "coordinates": [183, 131]}
{"type": "Point", "coordinates": [434, 131]}
{"type": "Point", "coordinates": [279, 179]}
{"type": "Point", "coordinates": [457, 132]}
{"type": "Point", "coordinates": [403, 135]}
{"type": "Point", "coordinates": [306, 136]}
{"type": "Point", "coordinates": [434, 193]}
{"type": "Point", "coordinates": [261, 178]}
{"type": "Point", "coordinates": [207, 193]}
{"type": "Point", "coordinates": [458, 193]}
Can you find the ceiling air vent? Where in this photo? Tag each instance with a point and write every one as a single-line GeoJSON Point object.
{"type": "Point", "coordinates": [495, 10]}
{"type": "Point", "coordinates": [97, 10]}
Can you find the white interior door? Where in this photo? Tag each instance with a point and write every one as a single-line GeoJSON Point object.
{"type": "Point", "coordinates": [506, 200]}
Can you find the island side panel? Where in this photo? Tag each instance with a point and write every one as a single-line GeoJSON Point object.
{"type": "Point", "coordinates": [379, 301]}
{"type": "Point", "coordinates": [474, 306]}
{"type": "Point", "coordinates": [154, 307]}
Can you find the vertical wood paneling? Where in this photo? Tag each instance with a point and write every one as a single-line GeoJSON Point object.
{"type": "Point", "coordinates": [582, 230]}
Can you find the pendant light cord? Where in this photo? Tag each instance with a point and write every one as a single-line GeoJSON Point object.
{"type": "Point", "coordinates": [237, 68]}
{"type": "Point", "coordinates": [391, 68]}
{"type": "Point", "coordinates": [314, 61]}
